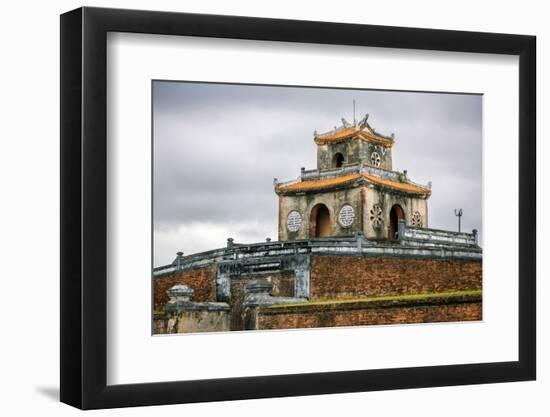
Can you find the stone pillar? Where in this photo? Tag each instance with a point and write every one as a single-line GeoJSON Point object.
{"type": "Point", "coordinates": [257, 295]}
{"type": "Point", "coordinates": [258, 291]}
{"type": "Point", "coordinates": [301, 276]}
{"type": "Point", "coordinates": [359, 239]}
{"type": "Point", "coordinates": [474, 232]}
{"type": "Point", "coordinates": [223, 282]}
{"type": "Point", "coordinates": [185, 316]}
{"type": "Point", "coordinates": [180, 298]}
{"type": "Point", "coordinates": [401, 231]}
{"type": "Point", "coordinates": [179, 261]}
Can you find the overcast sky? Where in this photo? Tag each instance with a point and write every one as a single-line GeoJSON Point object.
{"type": "Point", "coordinates": [217, 148]}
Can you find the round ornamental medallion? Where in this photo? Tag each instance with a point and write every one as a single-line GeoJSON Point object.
{"type": "Point", "coordinates": [293, 221]}
{"type": "Point", "coordinates": [346, 216]}
{"type": "Point", "coordinates": [375, 159]}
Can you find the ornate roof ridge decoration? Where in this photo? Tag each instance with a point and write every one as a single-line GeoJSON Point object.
{"type": "Point", "coordinates": [362, 131]}
{"type": "Point", "coordinates": [326, 183]}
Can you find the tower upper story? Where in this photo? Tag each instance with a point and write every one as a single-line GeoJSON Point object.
{"type": "Point", "coordinates": [353, 189]}
{"type": "Point", "coordinates": [352, 144]}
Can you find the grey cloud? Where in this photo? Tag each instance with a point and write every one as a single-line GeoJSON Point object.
{"type": "Point", "coordinates": [217, 148]}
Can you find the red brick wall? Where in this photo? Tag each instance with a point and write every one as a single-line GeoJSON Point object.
{"type": "Point", "coordinates": [335, 317]}
{"type": "Point", "coordinates": [356, 276]}
{"type": "Point", "coordinates": [202, 280]}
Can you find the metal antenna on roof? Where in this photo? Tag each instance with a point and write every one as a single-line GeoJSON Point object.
{"type": "Point", "coordinates": [354, 121]}
{"type": "Point", "coordinates": [458, 213]}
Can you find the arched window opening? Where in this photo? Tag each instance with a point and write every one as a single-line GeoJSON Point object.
{"type": "Point", "coordinates": [320, 224]}
{"type": "Point", "coordinates": [338, 160]}
{"type": "Point", "coordinates": [396, 214]}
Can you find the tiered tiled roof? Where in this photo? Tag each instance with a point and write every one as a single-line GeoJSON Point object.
{"type": "Point", "coordinates": [333, 182]}
{"type": "Point", "coordinates": [318, 184]}
{"type": "Point", "coordinates": [398, 185]}
{"type": "Point", "coordinates": [363, 131]}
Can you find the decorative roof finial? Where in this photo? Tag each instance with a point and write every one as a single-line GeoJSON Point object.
{"type": "Point", "coordinates": [363, 121]}
{"type": "Point", "coordinates": [345, 123]}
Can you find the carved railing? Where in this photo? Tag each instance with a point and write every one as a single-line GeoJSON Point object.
{"type": "Point", "coordinates": [413, 242]}
{"type": "Point", "coordinates": [420, 236]}
{"type": "Point", "coordinates": [313, 174]}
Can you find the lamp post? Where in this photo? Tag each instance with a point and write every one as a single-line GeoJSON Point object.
{"type": "Point", "coordinates": [458, 213]}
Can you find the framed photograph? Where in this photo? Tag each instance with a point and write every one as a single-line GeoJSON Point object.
{"type": "Point", "coordinates": [257, 208]}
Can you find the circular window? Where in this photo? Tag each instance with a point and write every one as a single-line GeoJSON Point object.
{"type": "Point", "coordinates": [416, 219]}
{"type": "Point", "coordinates": [346, 216]}
{"type": "Point", "coordinates": [293, 221]}
{"type": "Point", "coordinates": [375, 159]}
{"type": "Point", "coordinates": [376, 216]}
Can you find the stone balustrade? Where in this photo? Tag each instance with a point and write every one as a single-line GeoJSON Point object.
{"type": "Point", "coordinates": [424, 237]}
{"type": "Point", "coordinates": [265, 256]}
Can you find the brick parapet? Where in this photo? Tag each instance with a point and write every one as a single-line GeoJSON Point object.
{"type": "Point", "coordinates": [374, 303]}
{"type": "Point", "coordinates": [352, 276]}
{"type": "Point", "coordinates": [426, 310]}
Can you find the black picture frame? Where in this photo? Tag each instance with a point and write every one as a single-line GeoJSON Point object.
{"type": "Point", "coordinates": [84, 207]}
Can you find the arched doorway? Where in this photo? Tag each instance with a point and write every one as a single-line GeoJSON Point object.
{"type": "Point", "coordinates": [338, 160]}
{"type": "Point", "coordinates": [319, 222]}
{"type": "Point", "coordinates": [396, 214]}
